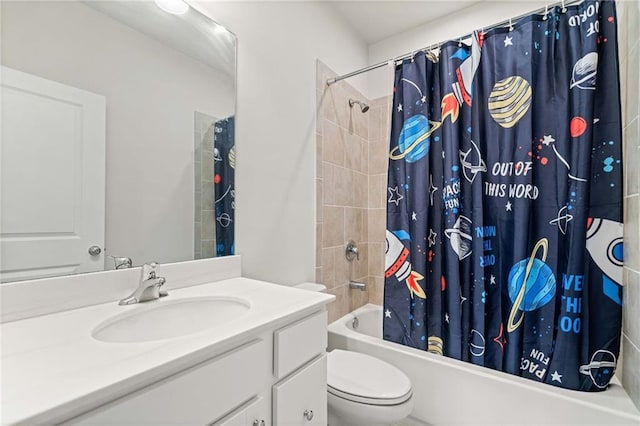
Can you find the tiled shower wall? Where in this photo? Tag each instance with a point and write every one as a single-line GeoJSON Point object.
{"type": "Point", "coordinates": [629, 51]}
{"type": "Point", "coordinates": [350, 187]}
{"type": "Point", "coordinates": [204, 223]}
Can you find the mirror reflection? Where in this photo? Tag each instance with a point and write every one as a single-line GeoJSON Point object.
{"type": "Point", "coordinates": [117, 136]}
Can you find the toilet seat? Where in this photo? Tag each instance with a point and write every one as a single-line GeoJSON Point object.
{"type": "Point", "coordinates": [364, 379]}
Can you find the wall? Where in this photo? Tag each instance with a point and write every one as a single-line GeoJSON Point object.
{"type": "Point", "coordinates": [152, 92]}
{"type": "Point", "coordinates": [278, 44]}
{"type": "Point", "coordinates": [350, 192]}
{"type": "Point", "coordinates": [629, 50]}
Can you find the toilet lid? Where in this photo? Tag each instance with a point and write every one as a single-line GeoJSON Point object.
{"type": "Point", "coordinates": [363, 378]}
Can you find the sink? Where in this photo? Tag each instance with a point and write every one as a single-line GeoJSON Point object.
{"type": "Point", "coordinates": [166, 319]}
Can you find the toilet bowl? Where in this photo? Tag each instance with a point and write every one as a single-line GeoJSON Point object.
{"type": "Point", "coordinates": [363, 390]}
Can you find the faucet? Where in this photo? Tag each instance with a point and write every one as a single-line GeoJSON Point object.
{"type": "Point", "coordinates": [149, 286]}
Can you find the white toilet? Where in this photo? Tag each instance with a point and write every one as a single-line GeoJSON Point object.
{"type": "Point", "coordinates": [364, 390]}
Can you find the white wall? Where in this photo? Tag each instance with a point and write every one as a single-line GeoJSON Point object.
{"type": "Point", "coordinates": [152, 92]}
{"type": "Point", "coordinates": [450, 27]}
{"type": "Point", "coordinates": [278, 44]}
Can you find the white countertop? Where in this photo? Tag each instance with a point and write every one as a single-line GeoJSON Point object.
{"type": "Point", "coordinates": [52, 369]}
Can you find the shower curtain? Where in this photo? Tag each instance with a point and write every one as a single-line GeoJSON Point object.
{"type": "Point", "coordinates": [224, 184]}
{"type": "Point", "coordinates": [504, 209]}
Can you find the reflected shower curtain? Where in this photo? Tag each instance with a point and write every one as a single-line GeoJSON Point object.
{"type": "Point", "coordinates": [225, 184]}
{"type": "Point", "coordinates": [504, 212]}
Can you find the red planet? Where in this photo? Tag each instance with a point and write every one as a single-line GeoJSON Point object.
{"type": "Point", "coordinates": [577, 127]}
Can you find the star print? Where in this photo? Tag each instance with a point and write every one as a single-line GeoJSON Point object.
{"type": "Point", "coordinates": [492, 280]}
{"type": "Point", "coordinates": [546, 141]}
{"type": "Point", "coordinates": [462, 299]}
{"type": "Point", "coordinates": [446, 317]}
{"type": "Point", "coordinates": [432, 188]}
{"type": "Point", "coordinates": [387, 314]}
{"type": "Point", "coordinates": [399, 107]}
{"type": "Point", "coordinates": [423, 99]}
{"type": "Point", "coordinates": [414, 216]}
{"type": "Point", "coordinates": [508, 41]}
{"type": "Point", "coordinates": [508, 206]}
{"type": "Point", "coordinates": [500, 339]}
{"type": "Point", "coordinates": [432, 238]}
{"type": "Point", "coordinates": [394, 196]}
{"type": "Point", "coordinates": [555, 377]}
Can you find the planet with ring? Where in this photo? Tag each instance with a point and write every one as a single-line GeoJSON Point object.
{"type": "Point", "coordinates": [531, 284]}
{"type": "Point", "coordinates": [414, 139]}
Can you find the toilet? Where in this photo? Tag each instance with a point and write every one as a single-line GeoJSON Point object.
{"type": "Point", "coordinates": [362, 389]}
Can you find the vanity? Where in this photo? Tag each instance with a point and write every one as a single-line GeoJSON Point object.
{"type": "Point", "coordinates": [259, 361]}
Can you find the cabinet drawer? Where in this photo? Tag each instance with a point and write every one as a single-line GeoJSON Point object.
{"type": "Point", "coordinates": [196, 396]}
{"type": "Point", "coordinates": [253, 413]}
{"type": "Point", "coordinates": [305, 391]}
{"type": "Point", "coordinates": [298, 343]}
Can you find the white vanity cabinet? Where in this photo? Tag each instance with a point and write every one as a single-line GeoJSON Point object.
{"type": "Point", "coordinates": [277, 378]}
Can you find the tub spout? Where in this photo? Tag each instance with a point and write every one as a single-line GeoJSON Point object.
{"type": "Point", "coordinates": [357, 285]}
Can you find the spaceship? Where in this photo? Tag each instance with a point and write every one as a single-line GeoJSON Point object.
{"type": "Point", "coordinates": [462, 89]}
{"type": "Point", "coordinates": [397, 263]}
{"type": "Point", "coordinates": [604, 244]}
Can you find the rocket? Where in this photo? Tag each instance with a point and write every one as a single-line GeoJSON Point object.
{"type": "Point", "coordinates": [462, 89]}
{"type": "Point", "coordinates": [397, 263]}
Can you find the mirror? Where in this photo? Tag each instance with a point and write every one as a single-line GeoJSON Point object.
{"type": "Point", "coordinates": [117, 136]}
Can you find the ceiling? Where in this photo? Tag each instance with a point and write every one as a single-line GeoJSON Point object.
{"type": "Point", "coordinates": [192, 33]}
{"type": "Point", "coordinates": [376, 20]}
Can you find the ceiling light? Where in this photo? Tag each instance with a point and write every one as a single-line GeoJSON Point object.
{"type": "Point", "coordinates": [175, 7]}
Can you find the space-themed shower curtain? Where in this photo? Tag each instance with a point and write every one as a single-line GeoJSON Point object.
{"type": "Point", "coordinates": [224, 184]}
{"type": "Point", "coordinates": [504, 223]}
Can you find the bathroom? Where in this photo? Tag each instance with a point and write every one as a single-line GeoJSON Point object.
{"type": "Point", "coordinates": [294, 215]}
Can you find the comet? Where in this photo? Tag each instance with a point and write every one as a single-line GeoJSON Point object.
{"type": "Point", "coordinates": [397, 264]}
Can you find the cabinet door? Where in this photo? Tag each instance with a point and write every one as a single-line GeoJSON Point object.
{"type": "Point", "coordinates": [253, 413]}
{"type": "Point", "coordinates": [301, 399]}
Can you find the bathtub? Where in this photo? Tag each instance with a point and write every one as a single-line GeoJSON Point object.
{"type": "Point", "coordinates": [448, 391]}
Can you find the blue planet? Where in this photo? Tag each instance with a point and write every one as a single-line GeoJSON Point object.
{"type": "Point", "coordinates": [540, 284]}
{"type": "Point", "coordinates": [414, 140]}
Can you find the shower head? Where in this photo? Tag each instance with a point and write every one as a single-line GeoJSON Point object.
{"type": "Point", "coordinates": [363, 107]}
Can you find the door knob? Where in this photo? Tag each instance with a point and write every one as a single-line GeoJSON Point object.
{"type": "Point", "coordinates": [95, 250]}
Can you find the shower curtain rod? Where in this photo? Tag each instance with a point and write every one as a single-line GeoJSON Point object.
{"type": "Point", "coordinates": [510, 22]}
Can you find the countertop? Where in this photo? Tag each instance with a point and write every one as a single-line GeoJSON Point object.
{"type": "Point", "coordinates": [53, 369]}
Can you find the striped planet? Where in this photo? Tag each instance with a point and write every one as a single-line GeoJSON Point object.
{"type": "Point", "coordinates": [509, 101]}
{"type": "Point", "coordinates": [414, 139]}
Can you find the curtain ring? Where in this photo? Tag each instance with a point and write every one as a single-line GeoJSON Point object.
{"type": "Point", "coordinates": [460, 42]}
{"type": "Point", "coordinates": [413, 53]}
{"type": "Point", "coordinates": [546, 12]}
{"type": "Point", "coordinates": [564, 9]}
{"type": "Point", "coordinates": [510, 25]}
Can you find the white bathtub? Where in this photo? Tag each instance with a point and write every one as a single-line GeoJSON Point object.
{"type": "Point", "coordinates": [449, 391]}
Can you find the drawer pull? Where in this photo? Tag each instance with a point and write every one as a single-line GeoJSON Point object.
{"type": "Point", "coordinates": [308, 414]}
{"type": "Point", "coordinates": [259, 423]}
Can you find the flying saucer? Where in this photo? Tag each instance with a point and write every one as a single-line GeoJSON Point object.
{"type": "Point", "coordinates": [531, 284]}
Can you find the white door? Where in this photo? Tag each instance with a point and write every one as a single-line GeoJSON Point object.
{"type": "Point", "coordinates": [52, 178]}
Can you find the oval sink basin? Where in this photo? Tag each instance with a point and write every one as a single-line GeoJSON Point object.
{"type": "Point", "coordinates": [166, 319]}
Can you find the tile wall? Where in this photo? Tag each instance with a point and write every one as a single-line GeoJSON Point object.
{"type": "Point", "coordinates": [204, 228]}
{"type": "Point", "coordinates": [350, 192]}
{"type": "Point", "coordinates": [629, 51]}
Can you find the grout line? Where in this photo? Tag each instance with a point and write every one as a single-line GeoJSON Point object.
{"type": "Point", "coordinates": [631, 342]}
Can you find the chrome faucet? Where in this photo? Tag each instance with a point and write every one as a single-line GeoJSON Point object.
{"type": "Point", "coordinates": [149, 286]}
